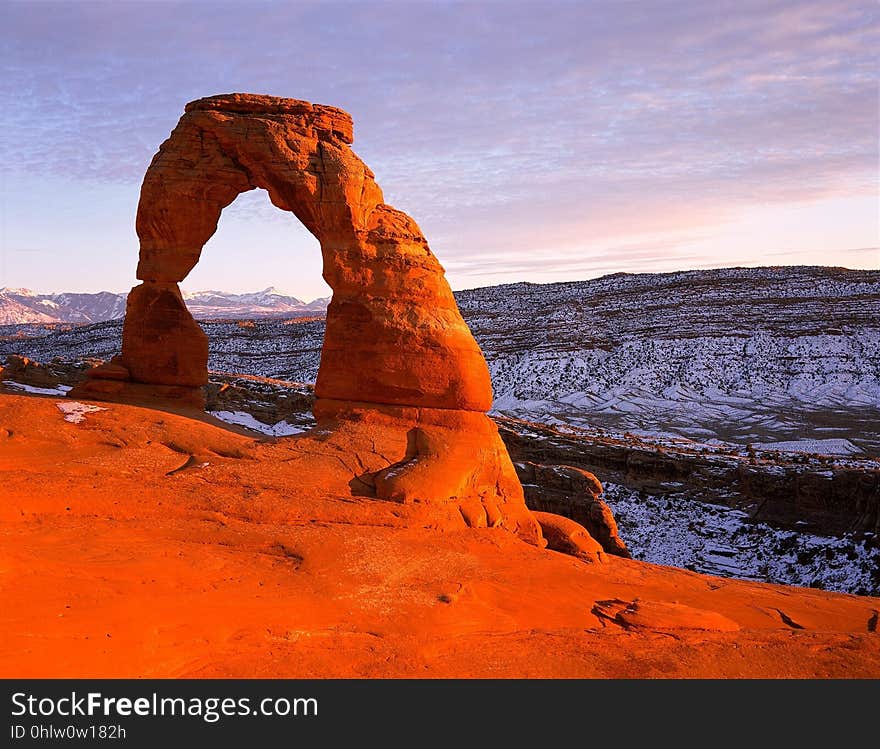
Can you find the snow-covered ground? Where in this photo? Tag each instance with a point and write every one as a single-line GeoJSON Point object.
{"type": "Point", "coordinates": [813, 447]}
{"type": "Point", "coordinates": [762, 389]}
{"type": "Point", "coordinates": [59, 390]}
{"type": "Point", "coordinates": [713, 539]}
{"type": "Point", "coordinates": [741, 355]}
{"type": "Point", "coordinates": [76, 412]}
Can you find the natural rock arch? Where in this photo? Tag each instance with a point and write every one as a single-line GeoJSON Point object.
{"type": "Point", "coordinates": [398, 365]}
{"type": "Point", "coordinates": [394, 333]}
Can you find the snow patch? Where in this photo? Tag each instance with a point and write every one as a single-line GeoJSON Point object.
{"type": "Point", "coordinates": [716, 540]}
{"type": "Point", "coordinates": [75, 412]}
{"type": "Point", "coordinates": [834, 446]}
{"type": "Point", "coordinates": [244, 419]}
{"type": "Point", "coordinates": [59, 390]}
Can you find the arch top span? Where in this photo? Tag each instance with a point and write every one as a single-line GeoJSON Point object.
{"type": "Point", "coordinates": [322, 119]}
{"type": "Point", "coordinates": [228, 144]}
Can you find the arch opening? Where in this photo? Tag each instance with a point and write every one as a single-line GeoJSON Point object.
{"type": "Point", "coordinates": [257, 247]}
{"type": "Point", "coordinates": [265, 323]}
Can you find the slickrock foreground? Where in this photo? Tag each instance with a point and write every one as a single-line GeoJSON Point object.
{"type": "Point", "coordinates": [138, 542]}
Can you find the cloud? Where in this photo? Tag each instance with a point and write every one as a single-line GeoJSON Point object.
{"type": "Point", "coordinates": [513, 125]}
{"type": "Point", "coordinates": [852, 252]}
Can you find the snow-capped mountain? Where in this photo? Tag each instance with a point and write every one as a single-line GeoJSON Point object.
{"type": "Point", "coordinates": [23, 306]}
{"type": "Point", "coordinates": [14, 312]}
{"type": "Point", "coordinates": [270, 302]}
{"type": "Point", "coordinates": [26, 306]}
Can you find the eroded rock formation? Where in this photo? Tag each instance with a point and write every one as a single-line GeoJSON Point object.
{"type": "Point", "coordinates": [25, 371]}
{"type": "Point", "coordinates": [572, 493]}
{"type": "Point", "coordinates": [236, 558]}
{"type": "Point", "coordinates": [394, 335]}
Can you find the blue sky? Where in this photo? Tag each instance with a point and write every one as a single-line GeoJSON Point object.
{"type": "Point", "coordinates": [530, 141]}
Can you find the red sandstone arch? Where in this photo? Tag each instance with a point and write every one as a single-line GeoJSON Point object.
{"type": "Point", "coordinates": [400, 375]}
{"type": "Point", "coordinates": [394, 333]}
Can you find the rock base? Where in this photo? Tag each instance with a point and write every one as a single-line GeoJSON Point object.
{"type": "Point", "coordinates": [437, 457]}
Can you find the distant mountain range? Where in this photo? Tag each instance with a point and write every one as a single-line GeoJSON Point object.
{"type": "Point", "coordinates": [23, 306]}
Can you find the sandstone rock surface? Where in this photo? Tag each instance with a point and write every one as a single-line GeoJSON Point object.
{"type": "Point", "coordinates": [663, 616]}
{"type": "Point", "coordinates": [573, 493]}
{"type": "Point", "coordinates": [565, 535]}
{"type": "Point", "coordinates": [433, 457]}
{"type": "Point", "coordinates": [25, 371]}
{"type": "Point", "coordinates": [143, 543]}
{"type": "Point", "coordinates": [28, 372]}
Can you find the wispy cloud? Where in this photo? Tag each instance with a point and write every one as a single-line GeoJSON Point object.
{"type": "Point", "coordinates": [501, 127]}
{"type": "Point", "coordinates": [849, 252]}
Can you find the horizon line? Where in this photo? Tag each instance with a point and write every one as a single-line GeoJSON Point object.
{"type": "Point", "coordinates": [489, 286]}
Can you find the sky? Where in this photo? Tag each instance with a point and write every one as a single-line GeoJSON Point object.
{"type": "Point", "coordinates": [530, 141]}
